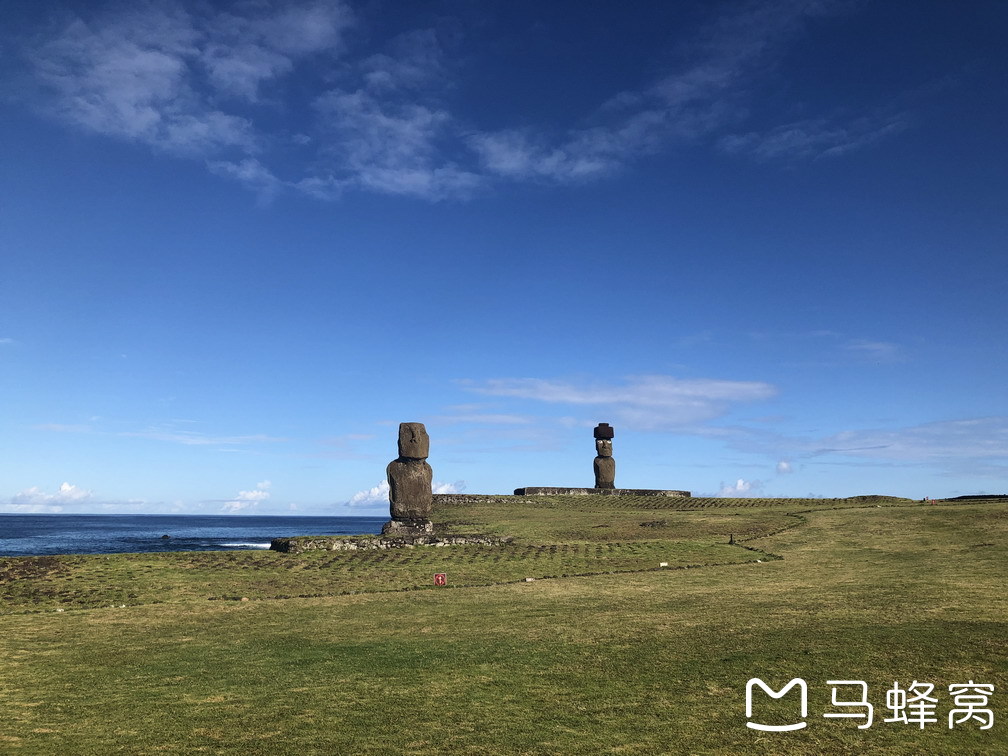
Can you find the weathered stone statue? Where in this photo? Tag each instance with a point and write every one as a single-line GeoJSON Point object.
{"type": "Point", "coordinates": [409, 479]}
{"type": "Point", "coordinates": [605, 465]}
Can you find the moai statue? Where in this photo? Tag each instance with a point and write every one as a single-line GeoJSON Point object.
{"type": "Point", "coordinates": [409, 479]}
{"type": "Point", "coordinates": [605, 465]}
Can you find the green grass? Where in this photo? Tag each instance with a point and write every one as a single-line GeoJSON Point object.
{"type": "Point", "coordinates": [623, 658]}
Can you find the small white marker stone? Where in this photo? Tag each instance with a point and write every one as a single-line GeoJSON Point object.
{"type": "Point", "coordinates": [663, 564]}
{"type": "Point", "coordinates": [529, 580]}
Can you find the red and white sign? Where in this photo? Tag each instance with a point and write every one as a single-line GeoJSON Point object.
{"type": "Point", "coordinates": [440, 578]}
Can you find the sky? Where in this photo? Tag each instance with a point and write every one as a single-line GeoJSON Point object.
{"type": "Point", "coordinates": [241, 242]}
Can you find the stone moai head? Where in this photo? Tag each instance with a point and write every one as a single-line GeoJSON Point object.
{"type": "Point", "coordinates": [604, 431]}
{"type": "Point", "coordinates": [414, 443]}
{"type": "Point", "coordinates": [603, 447]}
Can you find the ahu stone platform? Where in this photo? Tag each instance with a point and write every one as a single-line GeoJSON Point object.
{"type": "Point", "coordinates": [553, 491]}
{"type": "Point", "coordinates": [297, 544]}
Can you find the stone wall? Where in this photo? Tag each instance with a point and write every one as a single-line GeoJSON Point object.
{"type": "Point", "coordinates": [466, 499]}
{"type": "Point", "coordinates": [298, 544]}
{"type": "Point", "coordinates": [553, 491]}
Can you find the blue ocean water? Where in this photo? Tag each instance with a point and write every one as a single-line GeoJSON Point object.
{"type": "Point", "coordinates": [39, 534]}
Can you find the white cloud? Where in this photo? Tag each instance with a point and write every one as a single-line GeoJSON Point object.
{"type": "Point", "coordinates": [246, 500]}
{"type": "Point", "coordinates": [371, 497]}
{"type": "Point", "coordinates": [36, 500]}
{"type": "Point", "coordinates": [378, 496]}
{"type": "Point", "coordinates": [448, 488]}
{"type": "Point", "coordinates": [642, 402]}
{"type": "Point", "coordinates": [6, 341]}
{"type": "Point", "coordinates": [72, 498]}
{"type": "Point", "coordinates": [740, 487]}
{"type": "Point", "coordinates": [784, 467]}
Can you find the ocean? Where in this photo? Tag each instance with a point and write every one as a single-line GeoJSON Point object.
{"type": "Point", "coordinates": [41, 534]}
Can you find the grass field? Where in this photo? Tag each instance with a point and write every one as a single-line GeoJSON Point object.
{"type": "Point", "coordinates": [604, 652]}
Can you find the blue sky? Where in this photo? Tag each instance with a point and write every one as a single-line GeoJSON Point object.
{"type": "Point", "coordinates": [240, 242]}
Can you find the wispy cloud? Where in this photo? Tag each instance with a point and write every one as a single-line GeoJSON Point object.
{"type": "Point", "coordinates": [483, 418]}
{"type": "Point", "coordinates": [346, 446]}
{"type": "Point", "coordinates": [708, 94]}
{"type": "Point", "coordinates": [876, 351]}
{"type": "Point", "coordinates": [385, 134]}
{"type": "Point", "coordinates": [180, 80]}
{"type": "Point", "coordinates": [6, 341]}
{"type": "Point", "coordinates": [244, 52]}
{"type": "Point", "coordinates": [832, 347]}
{"type": "Point", "coordinates": [198, 81]}
{"type": "Point", "coordinates": [974, 438]}
{"type": "Point", "coordinates": [814, 138]}
{"type": "Point", "coordinates": [388, 146]}
{"type": "Point", "coordinates": [194, 438]}
{"type": "Point", "coordinates": [976, 446]}
{"type": "Point", "coordinates": [642, 402]}
{"type": "Point", "coordinates": [251, 173]}
{"type": "Point", "coordinates": [167, 432]}
{"type": "Point", "coordinates": [131, 75]}
{"type": "Point", "coordinates": [63, 427]}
